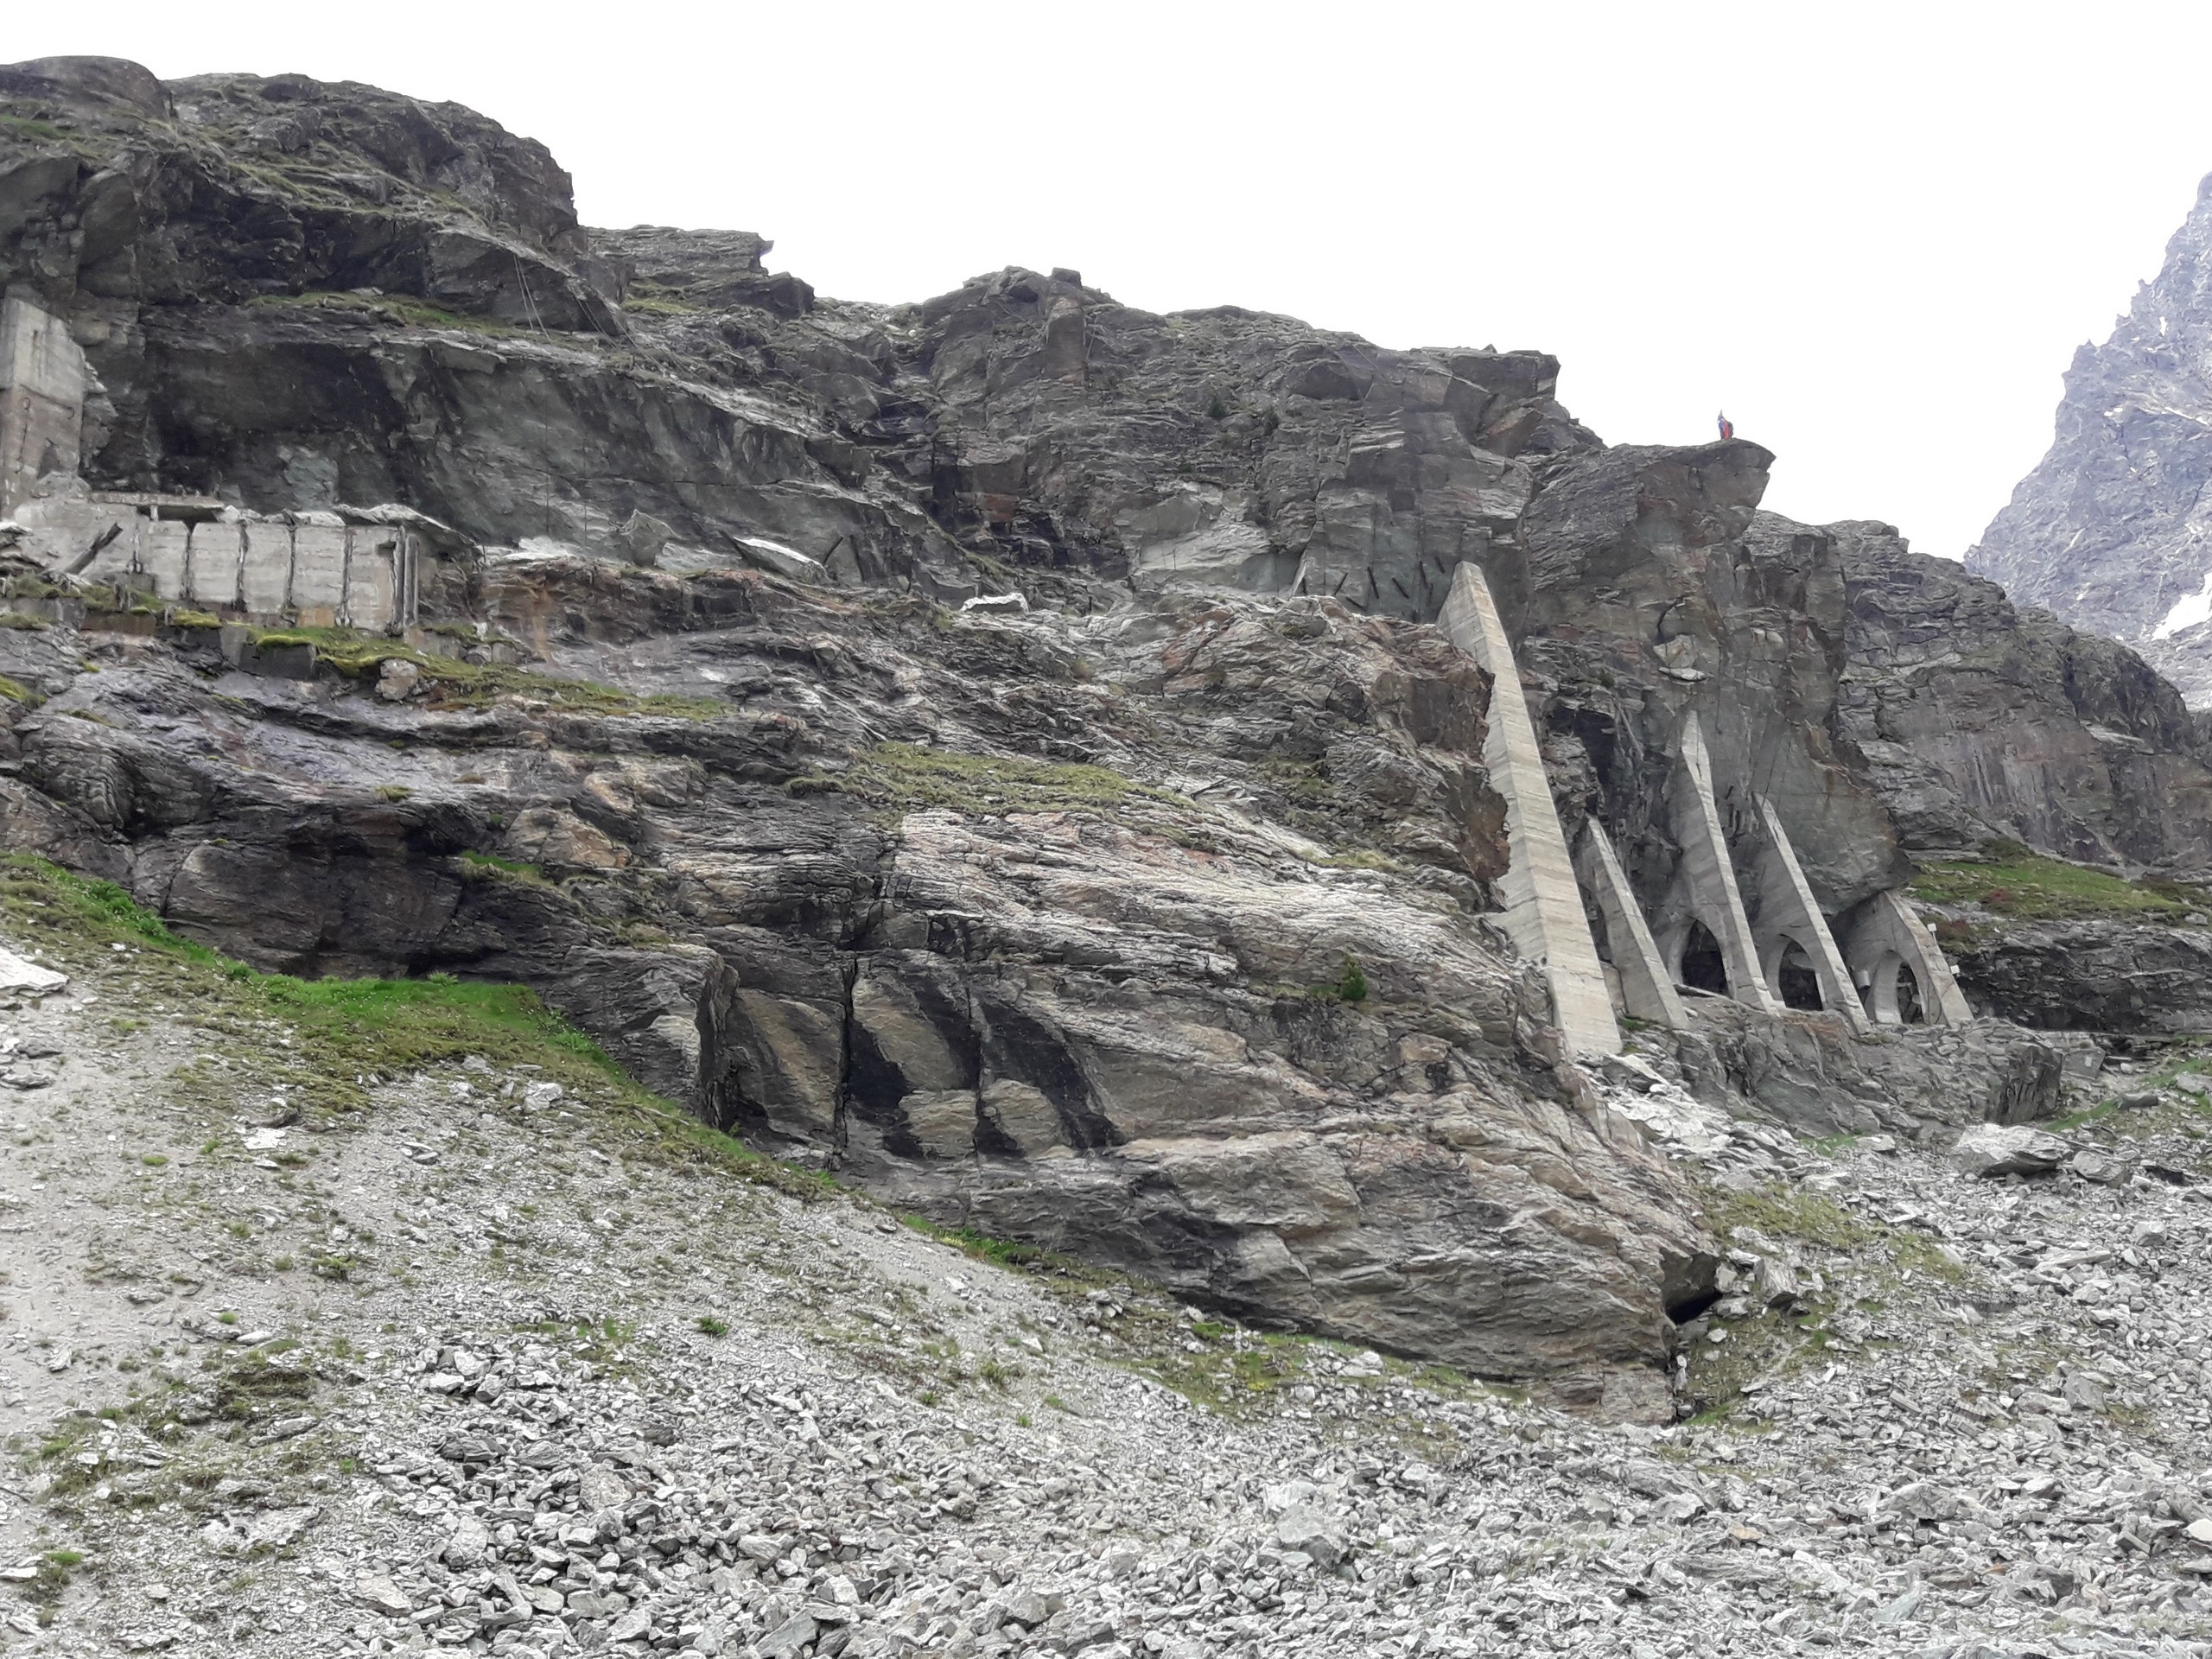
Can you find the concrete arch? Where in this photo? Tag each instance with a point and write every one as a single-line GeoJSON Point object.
{"type": "Point", "coordinates": [1701, 961]}
{"type": "Point", "coordinates": [1887, 1000]}
{"type": "Point", "coordinates": [1774, 957]}
{"type": "Point", "coordinates": [1881, 938]}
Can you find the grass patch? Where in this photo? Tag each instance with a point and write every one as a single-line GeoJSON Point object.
{"type": "Point", "coordinates": [2009, 880]}
{"type": "Point", "coordinates": [343, 1031]}
{"type": "Point", "coordinates": [493, 867]}
{"type": "Point", "coordinates": [1789, 1214]}
{"type": "Point", "coordinates": [1782, 1341]}
{"type": "Point", "coordinates": [1351, 984]}
{"type": "Point", "coordinates": [1918, 1253]}
{"type": "Point", "coordinates": [981, 1247]}
{"type": "Point", "coordinates": [25, 127]}
{"type": "Point", "coordinates": [457, 684]}
{"type": "Point", "coordinates": [712, 1326]}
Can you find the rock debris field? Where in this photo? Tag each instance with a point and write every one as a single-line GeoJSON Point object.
{"type": "Point", "coordinates": [500, 1363]}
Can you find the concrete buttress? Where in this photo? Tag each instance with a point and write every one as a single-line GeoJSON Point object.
{"type": "Point", "coordinates": [1647, 989]}
{"type": "Point", "coordinates": [1544, 906]}
{"type": "Point", "coordinates": [1705, 890]}
{"type": "Point", "coordinates": [1789, 914]}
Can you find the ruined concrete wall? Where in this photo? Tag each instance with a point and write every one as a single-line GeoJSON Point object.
{"type": "Point", "coordinates": [43, 379]}
{"type": "Point", "coordinates": [313, 570]}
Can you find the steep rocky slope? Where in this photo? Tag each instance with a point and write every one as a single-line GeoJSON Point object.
{"type": "Point", "coordinates": [2109, 530]}
{"type": "Point", "coordinates": [996, 749]}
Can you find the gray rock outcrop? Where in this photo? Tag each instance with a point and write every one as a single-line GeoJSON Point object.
{"type": "Point", "coordinates": [2110, 530]}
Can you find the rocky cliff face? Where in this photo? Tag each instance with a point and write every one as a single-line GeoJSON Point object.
{"type": "Point", "coordinates": [995, 747]}
{"type": "Point", "coordinates": [1889, 704]}
{"type": "Point", "coordinates": [2110, 530]}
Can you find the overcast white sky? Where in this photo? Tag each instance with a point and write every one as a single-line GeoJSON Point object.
{"type": "Point", "coordinates": [1873, 233]}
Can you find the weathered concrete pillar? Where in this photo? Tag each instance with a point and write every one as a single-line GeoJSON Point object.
{"type": "Point", "coordinates": [1543, 906]}
{"type": "Point", "coordinates": [43, 378]}
{"type": "Point", "coordinates": [1647, 988]}
{"type": "Point", "coordinates": [1706, 888]}
{"type": "Point", "coordinates": [1788, 914]}
{"type": "Point", "coordinates": [1883, 935]}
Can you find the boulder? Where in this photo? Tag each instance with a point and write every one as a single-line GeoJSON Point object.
{"type": "Point", "coordinates": [1995, 1149]}
{"type": "Point", "coordinates": [1321, 1538]}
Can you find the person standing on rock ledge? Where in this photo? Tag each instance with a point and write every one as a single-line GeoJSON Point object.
{"type": "Point", "coordinates": [1727, 427]}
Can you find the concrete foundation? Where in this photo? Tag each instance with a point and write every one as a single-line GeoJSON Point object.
{"type": "Point", "coordinates": [43, 379]}
{"type": "Point", "coordinates": [1543, 907]}
{"type": "Point", "coordinates": [1788, 914]}
{"type": "Point", "coordinates": [1639, 974]}
{"type": "Point", "coordinates": [1882, 938]}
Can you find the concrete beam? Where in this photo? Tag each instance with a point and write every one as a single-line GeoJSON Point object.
{"type": "Point", "coordinates": [1647, 988]}
{"type": "Point", "coordinates": [1705, 888]}
{"type": "Point", "coordinates": [1544, 906]}
{"type": "Point", "coordinates": [1882, 935]}
{"type": "Point", "coordinates": [43, 378]}
{"type": "Point", "coordinates": [1788, 914]}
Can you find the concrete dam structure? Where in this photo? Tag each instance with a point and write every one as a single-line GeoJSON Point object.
{"type": "Point", "coordinates": [338, 566]}
{"type": "Point", "coordinates": [1888, 970]}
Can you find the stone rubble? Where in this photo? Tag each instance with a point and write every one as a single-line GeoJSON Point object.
{"type": "Point", "coordinates": [1936, 1411]}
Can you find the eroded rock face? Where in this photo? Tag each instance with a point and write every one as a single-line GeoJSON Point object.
{"type": "Point", "coordinates": [2104, 975]}
{"type": "Point", "coordinates": [2109, 530]}
{"type": "Point", "coordinates": [1649, 589]}
{"type": "Point", "coordinates": [300, 292]}
{"type": "Point", "coordinates": [1093, 1005]}
{"type": "Point", "coordinates": [1978, 719]}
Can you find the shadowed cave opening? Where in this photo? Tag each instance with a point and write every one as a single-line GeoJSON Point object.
{"type": "Point", "coordinates": [1795, 982]}
{"type": "Point", "coordinates": [1704, 969]}
{"type": "Point", "coordinates": [1909, 1007]}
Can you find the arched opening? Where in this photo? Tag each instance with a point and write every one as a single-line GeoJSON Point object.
{"type": "Point", "coordinates": [1893, 993]}
{"type": "Point", "coordinates": [1795, 982]}
{"type": "Point", "coordinates": [1909, 1005]}
{"type": "Point", "coordinates": [1704, 969]}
